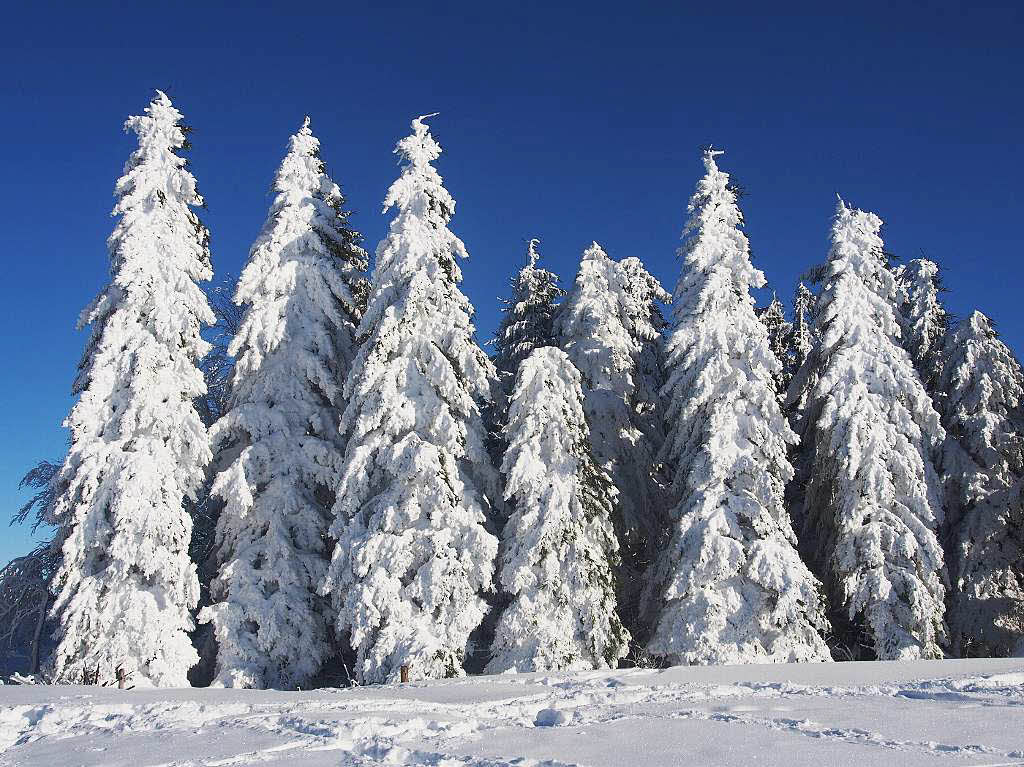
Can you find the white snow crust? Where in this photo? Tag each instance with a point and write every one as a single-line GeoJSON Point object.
{"type": "Point", "coordinates": [955, 712]}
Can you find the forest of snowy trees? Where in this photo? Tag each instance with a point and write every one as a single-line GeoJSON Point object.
{"type": "Point", "coordinates": [319, 476]}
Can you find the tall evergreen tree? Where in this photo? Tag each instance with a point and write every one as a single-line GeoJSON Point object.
{"type": "Point", "coordinates": [640, 295]}
{"type": "Point", "coordinates": [871, 506]}
{"type": "Point", "coordinates": [729, 584]}
{"type": "Point", "coordinates": [126, 586]}
{"type": "Point", "coordinates": [773, 317]}
{"type": "Point", "coordinates": [607, 327]}
{"type": "Point", "coordinates": [413, 556]}
{"type": "Point", "coordinates": [279, 437]}
{"type": "Point", "coordinates": [558, 547]}
{"type": "Point", "coordinates": [800, 340]}
{"type": "Point", "coordinates": [527, 317]}
{"type": "Point", "coordinates": [925, 321]}
{"type": "Point", "coordinates": [982, 387]}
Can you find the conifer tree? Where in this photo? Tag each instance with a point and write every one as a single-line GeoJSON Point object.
{"type": "Point", "coordinates": [640, 295]}
{"type": "Point", "coordinates": [773, 317]}
{"type": "Point", "coordinates": [558, 548]}
{"type": "Point", "coordinates": [982, 387]}
{"type": "Point", "coordinates": [925, 322]}
{"type": "Point", "coordinates": [872, 505]}
{"type": "Point", "coordinates": [608, 327]}
{"type": "Point", "coordinates": [800, 341]}
{"type": "Point", "coordinates": [527, 318]}
{"type": "Point", "coordinates": [728, 586]}
{"type": "Point", "coordinates": [279, 437]}
{"type": "Point", "coordinates": [413, 557]}
{"type": "Point", "coordinates": [126, 586]}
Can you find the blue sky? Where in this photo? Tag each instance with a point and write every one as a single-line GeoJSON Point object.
{"type": "Point", "coordinates": [568, 122]}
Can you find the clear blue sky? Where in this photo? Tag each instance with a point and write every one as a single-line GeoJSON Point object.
{"type": "Point", "coordinates": [567, 122]}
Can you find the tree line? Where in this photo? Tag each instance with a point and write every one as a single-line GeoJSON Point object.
{"type": "Point", "coordinates": [318, 476]}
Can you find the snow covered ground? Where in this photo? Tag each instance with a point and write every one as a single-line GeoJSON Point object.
{"type": "Point", "coordinates": [923, 713]}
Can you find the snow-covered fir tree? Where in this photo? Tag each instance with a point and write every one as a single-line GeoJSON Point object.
{"type": "Point", "coordinates": [779, 330]}
{"type": "Point", "coordinates": [640, 297]}
{"type": "Point", "coordinates": [870, 432]}
{"type": "Point", "coordinates": [413, 556]}
{"type": "Point", "coordinates": [279, 438]}
{"type": "Point", "coordinates": [800, 338]}
{"type": "Point", "coordinates": [527, 317]}
{"type": "Point", "coordinates": [982, 387]}
{"type": "Point", "coordinates": [126, 586]}
{"type": "Point", "coordinates": [558, 548]}
{"type": "Point", "coordinates": [925, 321]}
{"type": "Point", "coordinates": [608, 328]}
{"type": "Point", "coordinates": [728, 585]}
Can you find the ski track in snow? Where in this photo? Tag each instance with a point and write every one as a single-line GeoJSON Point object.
{"type": "Point", "coordinates": [901, 714]}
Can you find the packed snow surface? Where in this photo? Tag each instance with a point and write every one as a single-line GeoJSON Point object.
{"type": "Point", "coordinates": [957, 712]}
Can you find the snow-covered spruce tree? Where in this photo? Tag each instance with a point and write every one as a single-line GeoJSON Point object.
{"type": "Point", "coordinates": [800, 339]}
{"type": "Point", "coordinates": [279, 438]}
{"type": "Point", "coordinates": [527, 317]}
{"type": "Point", "coordinates": [413, 556]}
{"type": "Point", "coordinates": [640, 295]}
{"type": "Point", "coordinates": [982, 387]}
{"type": "Point", "coordinates": [728, 585]}
{"type": "Point", "coordinates": [641, 475]}
{"type": "Point", "coordinates": [558, 548]}
{"type": "Point", "coordinates": [925, 322]}
{"type": "Point", "coordinates": [872, 505]}
{"type": "Point", "coordinates": [606, 327]}
{"type": "Point", "coordinates": [126, 586]}
{"type": "Point", "coordinates": [773, 317]}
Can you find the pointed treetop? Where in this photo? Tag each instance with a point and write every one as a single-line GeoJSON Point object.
{"type": "Point", "coordinates": [419, 126]}
{"type": "Point", "coordinates": [709, 155]}
{"type": "Point", "coordinates": [981, 323]}
{"type": "Point", "coordinates": [713, 237]}
{"type": "Point", "coordinates": [851, 224]}
{"type": "Point", "coordinates": [774, 309]}
{"type": "Point", "coordinates": [304, 142]}
{"type": "Point", "coordinates": [419, 149]}
{"type": "Point", "coordinates": [594, 252]}
{"type": "Point", "coordinates": [160, 136]}
{"type": "Point", "coordinates": [531, 252]}
{"type": "Point", "coordinates": [867, 220]}
{"type": "Point", "coordinates": [160, 110]}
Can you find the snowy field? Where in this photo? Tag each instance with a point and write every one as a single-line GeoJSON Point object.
{"type": "Point", "coordinates": [968, 712]}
